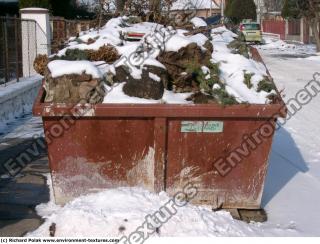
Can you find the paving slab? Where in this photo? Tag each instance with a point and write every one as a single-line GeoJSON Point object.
{"type": "Point", "coordinates": [21, 193]}
{"type": "Point", "coordinates": [19, 228]}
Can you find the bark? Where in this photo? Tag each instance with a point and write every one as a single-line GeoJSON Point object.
{"type": "Point", "coordinates": [101, 3]}
{"type": "Point", "coordinates": [315, 12]}
{"type": "Point", "coordinates": [315, 31]}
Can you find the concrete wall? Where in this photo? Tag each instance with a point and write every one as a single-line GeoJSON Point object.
{"type": "Point", "coordinates": [17, 99]}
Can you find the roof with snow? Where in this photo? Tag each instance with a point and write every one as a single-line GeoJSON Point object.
{"type": "Point", "coordinates": [194, 4]}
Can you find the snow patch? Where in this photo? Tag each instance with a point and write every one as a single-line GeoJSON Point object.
{"type": "Point", "coordinates": [115, 95]}
{"type": "Point", "coordinates": [234, 66]}
{"type": "Point", "coordinates": [102, 214]}
{"type": "Point", "coordinates": [198, 22]}
{"type": "Point", "coordinates": [154, 77]}
{"type": "Point", "coordinates": [279, 47]}
{"type": "Point", "coordinates": [61, 67]}
{"type": "Point", "coordinates": [313, 58]}
{"type": "Point", "coordinates": [176, 42]}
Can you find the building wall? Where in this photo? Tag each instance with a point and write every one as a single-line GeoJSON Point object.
{"type": "Point", "coordinates": [202, 12]}
{"type": "Point", "coordinates": [207, 12]}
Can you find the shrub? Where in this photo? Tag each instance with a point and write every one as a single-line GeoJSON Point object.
{"type": "Point", "coordinates": [106, 53]}
{"type": "Point", "coordinates": [247, 79]}
{"type": "Point", "coordinates": [266, 85]}
{"type": "Point", "coordinates": [40, 64]}
{"type": "Point", "coordinates": [239, 47]}
{"type": "Point", "coordinates": [224, 97]}
{"type": "Point", "coordinates": [238, 10]}
{"type": "Point", "coordinates": [75, 54]}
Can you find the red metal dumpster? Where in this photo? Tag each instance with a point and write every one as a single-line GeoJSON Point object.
{"type": "Point", "coordinates": [160, 147]}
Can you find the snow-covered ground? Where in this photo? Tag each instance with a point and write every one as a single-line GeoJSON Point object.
{"type": "Point", "coordinates": [279, 47]}
{"type": "Point", "coordinates": [25, 126]}
{"type": "Point", "coordinates": [118, 212]}
{"type": "Point", "coordinates": [291, 197]}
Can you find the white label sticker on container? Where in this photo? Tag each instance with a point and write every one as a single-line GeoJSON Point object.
{"type": "Point", "coordinates": [201, 126]}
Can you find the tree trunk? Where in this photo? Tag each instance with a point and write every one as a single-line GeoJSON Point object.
{"type": "Point", "coordinates": [315, 31]}
{"type": "Point", "coordinates": [120, 5]}
{"type": "Point", "coordinates": [314, 10]}
{"type": "Point", "coordinates": [101, 4]}
{"type": "Point", "coordinates": [154, 5]}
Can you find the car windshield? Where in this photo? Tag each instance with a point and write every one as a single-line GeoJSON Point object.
{"type": "Point", "coordinates": [252, 26]}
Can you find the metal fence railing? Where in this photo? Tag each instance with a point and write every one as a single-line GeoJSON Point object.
{"type": "Point", "coordinates": [62, 29]}
{"type": "Point", "coordinates": [21, 40]}
{"type": "Point", "coordinates": [10, 49]}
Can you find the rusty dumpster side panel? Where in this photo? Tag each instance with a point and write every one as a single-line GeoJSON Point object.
{"type": "Point", "coordinates": [193, 160]}
{"type": "Point", "coordinates": [143, 145]}
{"type": "Point", "coordinates": [96, 154]}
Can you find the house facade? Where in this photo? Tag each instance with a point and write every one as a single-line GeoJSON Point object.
{"type": "Point", "coordinates": [203, 8]}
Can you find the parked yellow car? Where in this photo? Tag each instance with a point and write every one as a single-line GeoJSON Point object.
{"type": "Point", "coordinates": [250, 32]}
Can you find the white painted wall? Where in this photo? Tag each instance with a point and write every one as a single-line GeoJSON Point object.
{"type": "Point", "coordinates": [36, 37]}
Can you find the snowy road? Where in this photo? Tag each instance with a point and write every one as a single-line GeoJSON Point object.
{"type": "Point", "coordinates": [291, 196]}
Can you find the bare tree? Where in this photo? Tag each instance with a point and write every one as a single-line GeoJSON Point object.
{"type": "Point", "coordinates": [103, 8]}
{"type": "Point", "coordinates": [154, 5]}
{"type": "Point", "coordinates": [166, 6]}
{"type": "Point", "coordinates": [120, 5]}
{"type": "Point", "coordinates": [136, 7]}
{"type": "Point", "coordinates": [313, 15]}
{"type": "Point", "coordinates": [273, 5]}
{"type": "Point", "coordinates": [308, 9]}
{"type": "Point", "coordinates": [188, 9]}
